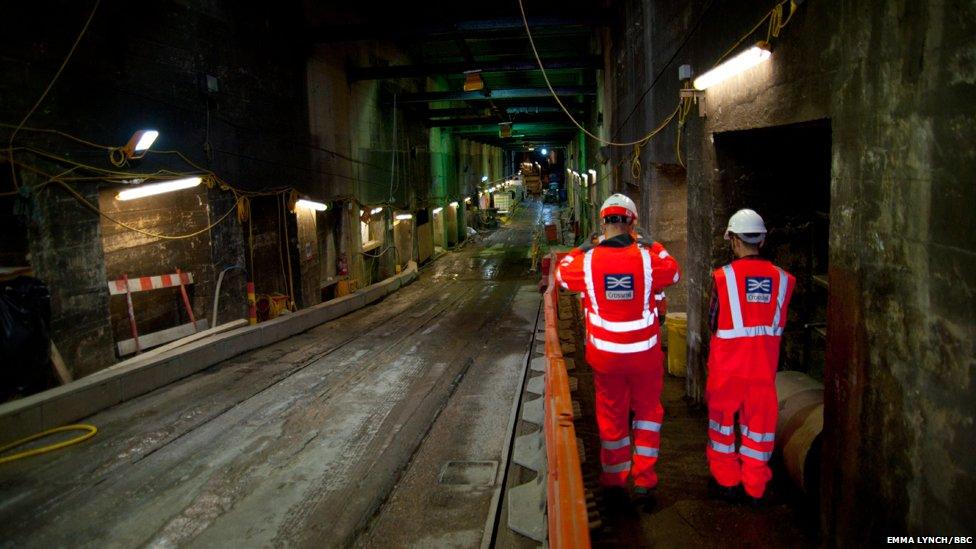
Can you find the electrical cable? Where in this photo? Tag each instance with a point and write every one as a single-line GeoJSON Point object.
{"type": "Point", "coordinates": [71, 52]}
{"type": "Point", "coordinates": [555, 96]}
{"type": "Point", "coordinates": [660, 73]}
{"type": "Point", "coordinates": [51, 447]}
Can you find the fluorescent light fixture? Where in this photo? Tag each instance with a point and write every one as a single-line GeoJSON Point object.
{"type": "Point", "coordinates": [544, 151]}
{"type": "Point", "coordinates": [454, 204]}
{"type": "Point", "coordinates": [438, 210]}
{"type": "Point", "coordinates": [158, 188]}
{"type": "Point", "coordinates": [745, 60]}
{"type": "Point", "coordinates": [310, 204]}
{"type": "Point", "coordinates": [375, 211]}
{"type": "Point", "coordinates": [404, 217]}
{"type": "Point", "coordinates": [484, 178]}
{"type": "Point", "coordinates": [531, 149]}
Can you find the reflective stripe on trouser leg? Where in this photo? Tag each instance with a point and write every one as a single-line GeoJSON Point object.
{"type": "Point", "coordinates": [758, 427]}
{"type": "Point", "coordinates": [612, 408]}
{"type": "Point", "coordinates": [646, 427]}
{"type": "Point", "coordinates": [724, 397]}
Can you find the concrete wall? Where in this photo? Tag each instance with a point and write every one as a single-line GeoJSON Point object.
{"type": "Point", "coordinates": [895, 80]}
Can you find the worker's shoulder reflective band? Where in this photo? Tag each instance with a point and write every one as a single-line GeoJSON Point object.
{"type": "Point", "coordinates": [645, 451]}
{"type": "Point", "coordinates": [664, 254]}
{"type": "Point", "coordinates": [617, 468]}
{"type": "Point", "coordinates": [735, 309]}
{"type": "Point", "coordinates": [677, 277]}
{"type": "Point", "coordinates": [758, 437]}
{"type": "Point", "coordinates": [722, 448]}
{"type": "Point", "coordinates": [622, 326]}
{"type": "Point", "coordinates": [755, 454]}
{"type": "Point", "coordinates": [615, 444]}
{"type": "Point", "coordinates": [716, 426]}
{"type": "Point", "coordinates": [613, 347]}
{"type": "Point", "coordinates": [588, 275]}
{"type": "Point", "coordinates": [647, 425]}
{"type": "Point", "coordinates": [648, 280]}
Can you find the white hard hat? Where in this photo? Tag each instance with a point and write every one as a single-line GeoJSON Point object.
{"type": "Point", "coordinates": [619, 204]}
{"type": "Point", "coordinates": [747, 225]}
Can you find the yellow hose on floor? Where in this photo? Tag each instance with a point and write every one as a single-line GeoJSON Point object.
{"type": "Point", "coordinates": [50, 448]}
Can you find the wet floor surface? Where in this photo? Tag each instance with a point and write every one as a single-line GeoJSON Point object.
{"type": "Point", "coordinates": [300, 442]}
{"type": "Point", "coordinates": [682, 515]}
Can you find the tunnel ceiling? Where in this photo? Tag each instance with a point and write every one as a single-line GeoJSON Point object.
{"type": "Point", "coordinates": [442, 40]}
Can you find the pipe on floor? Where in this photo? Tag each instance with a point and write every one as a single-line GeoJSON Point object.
{"type": "Point", "coordinates": [220, 280]}
{"type": "Point", "coordinates": [799, 427]}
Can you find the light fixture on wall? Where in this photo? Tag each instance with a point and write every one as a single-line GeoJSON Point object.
{"type": "Point", "coordinates": [593, 174]}
{"type": "Point", "coordinates": [311, 205]}
{"type": "Point", "coordinates": [403, 216]}
{"type": "Point", "coordinates": [159, 188]}
{"type": "Point", "coordinates": [473, 81]}
{"type": "Point", "coordinates": [544, 151]}
{"type": "Point", "coordinates": [139, 143]}
{"type": "Point", "coordinates": [438, 210]}
{"type": "Point", "coordinates": [484, 178]}
{"type": "Point", "coordinates": [375, 211]}
{"type": "Point", "coordinates": [454, 204]}
{"type": "Point", "coordinates": [731, 67]}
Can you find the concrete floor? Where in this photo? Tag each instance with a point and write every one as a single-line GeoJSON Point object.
{"type": "Point", "coordinates": [301, 442]}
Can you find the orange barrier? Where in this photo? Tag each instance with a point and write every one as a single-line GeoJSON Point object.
{"type": "Point", "coordinates": [565, 495]}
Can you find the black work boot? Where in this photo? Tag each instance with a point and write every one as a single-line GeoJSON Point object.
{"type": "Point", "coordinates": [724, 493]}
{"type": "Point", "coordinates": [645, 498]}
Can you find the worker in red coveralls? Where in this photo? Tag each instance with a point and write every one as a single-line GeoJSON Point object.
{"type": "Point", "coordinates": [619, 278]}
{"type": "Point", "coordinates": [748, 313]}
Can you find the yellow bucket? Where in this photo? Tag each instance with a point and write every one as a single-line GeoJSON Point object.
{"type": "Point", "coordinates": [677, 324]}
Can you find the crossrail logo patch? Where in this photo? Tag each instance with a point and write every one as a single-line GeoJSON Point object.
{"type": "Point", "coordinates": [759, 289]}
{"type": "Point", "coordinates": [618, 287]}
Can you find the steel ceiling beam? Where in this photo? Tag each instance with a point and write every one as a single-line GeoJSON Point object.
{"type": "Point", "coordinates": [587, 62]}
{"type": "Point", "coordinates": [507, 93]}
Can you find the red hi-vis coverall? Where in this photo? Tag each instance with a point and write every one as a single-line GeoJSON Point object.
{"type": "Point", "coordinates": [753, 296]}
{"type": "Point", "coordinates": [619, 279]}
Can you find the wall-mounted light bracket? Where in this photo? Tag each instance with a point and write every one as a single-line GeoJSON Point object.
{"type": "Point", "coordinates": [698, 96]}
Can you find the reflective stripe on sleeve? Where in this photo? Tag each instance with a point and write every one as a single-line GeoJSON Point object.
{"type": "Point", "coordinates": [588, 275]}
{"type": "Point", "coordinates": [758, 437]}
{"type": "Point", "coordinates": [645, 451]}
{"type": "Point", "coordinates": [623, 348]}
{"type": "Point", "coordinates": [648, 280]}
{"type": "Point", "coordinates": [677, 277]}
{"type": "Point", "coordinates": [722, 448]}
{"type": "Point", "coordinates": [716, 426]}
{"type": "Point", "coordinates": [617, 467]}
{"type": "Point", "coordinates": [664, 254]}
{"type": "Point", "coordinates": [652, 426]}
{"type": "Point", "coordinates": [659, 296]}
{"type": "Point", "coordinates": [755, 454]}
{"type": "Point", "coordinates": [615, 444]}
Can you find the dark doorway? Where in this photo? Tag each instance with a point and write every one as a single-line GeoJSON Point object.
{"type": "Point", "coordinates": [783, 172]}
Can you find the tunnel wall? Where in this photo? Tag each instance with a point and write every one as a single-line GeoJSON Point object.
{"type": "Point", "coordinates": [896, 81]}
{"type": "Point", "coordinates": [144, 66]}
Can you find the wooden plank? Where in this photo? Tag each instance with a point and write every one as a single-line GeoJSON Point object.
{"type": "Point", "coordinates": [147, 341]}
{"type": "Point", "coordinates": [182, 341]}
{"type": "Point", "coordinates": [64, 375]}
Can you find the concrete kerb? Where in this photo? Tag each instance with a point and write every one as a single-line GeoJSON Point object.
{"type": "Point", "coordinates": [101, 390]}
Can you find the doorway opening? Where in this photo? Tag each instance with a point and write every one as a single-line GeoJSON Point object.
{"type": "Point", "coordinates": [783, 172]}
